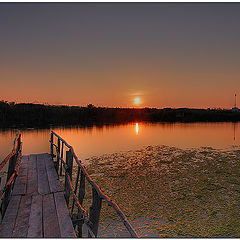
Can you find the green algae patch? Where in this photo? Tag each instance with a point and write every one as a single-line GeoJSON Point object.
{"type": "Point", "coordinates": [186, 193]}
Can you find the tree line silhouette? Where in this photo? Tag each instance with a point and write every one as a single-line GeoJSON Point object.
{"type": "Point", "coordinates": [23, 115]}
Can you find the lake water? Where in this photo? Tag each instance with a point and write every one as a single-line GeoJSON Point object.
{"type": "Point", "coordinates": [95, 141]}
{"type": "Point", "coordinates": [171, 180]}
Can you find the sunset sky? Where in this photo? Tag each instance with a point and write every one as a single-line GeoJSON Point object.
{"type": "Point", "coordinates": [121, 54]}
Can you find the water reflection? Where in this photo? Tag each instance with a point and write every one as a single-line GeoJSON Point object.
{"type": "Point", "coordinates": [136, 128]}
{"type": "Point", "coordinates": [234, 131]}
{"type": "Point", "coordinates": [96, 141]}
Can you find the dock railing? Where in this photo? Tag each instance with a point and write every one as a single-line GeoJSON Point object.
{"type": "Point", "coordinates": [91, 218]}
{"type": "Point", "coordinates": [13, 160]}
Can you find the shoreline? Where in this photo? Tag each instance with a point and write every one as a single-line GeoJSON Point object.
{"type": "Point", "coordinates": [28, 115]}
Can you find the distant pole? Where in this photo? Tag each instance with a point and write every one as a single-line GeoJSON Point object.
{"type": "Point", "coordinates": [235, 100]}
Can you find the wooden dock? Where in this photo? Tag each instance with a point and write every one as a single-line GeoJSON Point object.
{"type": "Point", "coordinates": [33, 204]}
{"type": "Point", "coordinates": [37, 207]}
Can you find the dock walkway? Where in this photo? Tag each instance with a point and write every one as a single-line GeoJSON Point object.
{"type": "Point", "coordinates": [37, 207]}
{"type": "Point", "coordinates": [33, 204]}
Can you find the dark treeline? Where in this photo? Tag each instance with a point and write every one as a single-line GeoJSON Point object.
{"type": "Point", "coordinates": [38, 115]}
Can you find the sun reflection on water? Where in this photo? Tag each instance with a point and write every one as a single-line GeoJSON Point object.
{"type": "Point", "coordinates": [136, 128]}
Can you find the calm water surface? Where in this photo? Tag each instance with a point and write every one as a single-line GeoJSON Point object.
{"type": "Point", "coordinates": [88, 142]}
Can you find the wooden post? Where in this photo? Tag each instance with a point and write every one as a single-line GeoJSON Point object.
{"type": "Point", "coordinates": [11, 166]}
{"type": "Point", "coordinates": [11, 169]}
{"type": "Point", "coordinates": [19, 144]}
{"type": "Point", "coordinates": [81, 194]}
{"type": "Point", "coordinates": [61, 158]}
{"type": "Point", "coordinates": [75, 191]}
{"type": "Point", "coordinates": [51, 146]}
{"type": "Point", "coordinates": [69, 163]}
{"type": "Point", "coordinates": [58, 155]}
{"type": "Point", "coordinates": [95, 212]}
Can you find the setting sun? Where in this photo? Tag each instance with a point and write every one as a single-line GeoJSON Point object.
{"type": "Point", "coordinates": [137, 100]}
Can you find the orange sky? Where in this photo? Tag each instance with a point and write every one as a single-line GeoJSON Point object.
{"type": "Point", "coordinates": [168, 55]}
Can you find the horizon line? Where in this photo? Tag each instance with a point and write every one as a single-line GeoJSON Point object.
{"type": "Point", "coordinates": [94, 106]}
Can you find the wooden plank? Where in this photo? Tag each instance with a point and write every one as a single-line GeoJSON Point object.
{"type": "Point", "coordinates": [50, 223]}
{"type": "Point", "coordinates": [35, 219]}
{"type": "Point", "coordinates": [20, 185]}
{"type": "Point", "coordinates": [43, 185]}
{"type": "Point", "coordinates": [21, 226]}
{"type": "Point", "coordinates": [30, 214]}
{"type": "Point", "coordinates": [32, 182]}
{"type": "Point", "coordinates": [8, 223]}
{"type": "Point", "coordinates": [65, 223]}
{"type": "Point", "coordinates": [53, 181]}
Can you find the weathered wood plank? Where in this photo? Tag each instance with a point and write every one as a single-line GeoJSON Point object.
{"type": "Point", "coordinates": [32, 182]}
{"type": "Point", "coordinates": [65, 223]}
{"type": "Point", "coordinates": [8, 223]}
{"type": "Point", "coordinates": [53, 181]}
{"type": "Point", "coordinates": [21, 226]}
{"type": "Point", "coordinates": [50, 225]}
{"type": "Point", "coordinates": [43, 185]}
{"type": "Point", "coordinates": [34, 211]}
{"type": "Point", "coordinates": [20, 185]}
{"type": "Point", "coordinates": [35, 219]}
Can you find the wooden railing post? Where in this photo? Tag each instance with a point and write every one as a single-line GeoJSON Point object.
{"type": "Point", "coordinates": [11, 169]}
{"type": "Point", "coordinates": [19, 144]}
{"type": "Point", "coordinates": [51, 145]}
{"type": "Point", "coordinates": [95, 212]}
{"type": "Point", "coordinates": [13, 160]}
{"type": "Point", "coordinates": [61, 158]}
{"type": "Point", "coordinates": [11, 166]}
{"type": "Point", "coordinates": [92, 220]}
{"type": "Point", "coordinates": [81, 194]}
{"type": "Point", "coordinates": [69, 163]}
{"type": "Point", "coordinates": [75, 191]}
{"type": "Point", "coordinates": [58, 155]}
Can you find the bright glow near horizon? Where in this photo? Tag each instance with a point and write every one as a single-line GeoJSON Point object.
{"type": "Point", "coordinates": [137, 100]}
